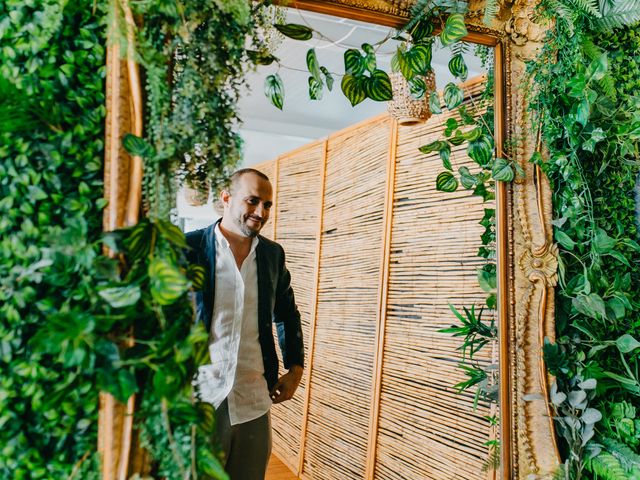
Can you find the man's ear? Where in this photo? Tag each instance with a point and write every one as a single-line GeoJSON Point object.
{"type": "Point", "coordinates": [224, 198]}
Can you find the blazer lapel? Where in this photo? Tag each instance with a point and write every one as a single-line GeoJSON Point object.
{"type": "Point", "coordinates": [264, 291]}
{"type": "Point", "coordinates": [209, 292]}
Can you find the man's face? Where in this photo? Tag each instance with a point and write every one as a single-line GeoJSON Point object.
{"type": "Point", "coordinates": [247, 205]}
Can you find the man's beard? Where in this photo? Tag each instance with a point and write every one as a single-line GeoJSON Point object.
{"type": "Point", "coordinates": [246, 230]}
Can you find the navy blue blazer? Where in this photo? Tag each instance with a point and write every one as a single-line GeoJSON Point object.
{"type": "Point", "coordinates": [276, 302]}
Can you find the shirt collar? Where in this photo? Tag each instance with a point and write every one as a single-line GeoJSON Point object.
{"type": "Point", "coordinates": [222, 242]}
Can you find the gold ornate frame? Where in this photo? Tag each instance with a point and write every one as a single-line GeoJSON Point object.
{"type": "Point", "coordinates": [527, 257]}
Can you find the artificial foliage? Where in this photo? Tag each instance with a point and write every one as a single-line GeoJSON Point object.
{"type": "Point", "coordinates": [586, 106]}
{"type": "Point", "coordinates": [52, 56]}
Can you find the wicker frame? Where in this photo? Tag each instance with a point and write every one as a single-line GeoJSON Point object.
{"type": "Point", "coordinates": [527, 257]}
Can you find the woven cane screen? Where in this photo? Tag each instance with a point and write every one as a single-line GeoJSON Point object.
{"type": "Point", "coordinates": [425, 430]}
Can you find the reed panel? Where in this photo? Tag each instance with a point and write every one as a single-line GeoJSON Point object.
{"type": "Point", "coordinates": [425, 429]}
{"type": "Point", "coordinates": [349, 285]}
{"type": "Point", "coordinates": [298, 211]}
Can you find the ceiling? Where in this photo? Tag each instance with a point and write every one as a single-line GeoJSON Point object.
{"type": "Point", "coordinates": [269, 132]}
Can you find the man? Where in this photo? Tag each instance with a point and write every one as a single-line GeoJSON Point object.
{"type": "Point", "coordinates": [247, 287]}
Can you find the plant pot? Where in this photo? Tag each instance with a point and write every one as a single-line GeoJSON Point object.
{"type": "Point", "coordinates": [404, 106]}
{"type": "Point", "coordinates": [196, 197]}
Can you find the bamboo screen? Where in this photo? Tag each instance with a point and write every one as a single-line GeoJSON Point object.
{"type": "Point", "coordinates": [377, 398]}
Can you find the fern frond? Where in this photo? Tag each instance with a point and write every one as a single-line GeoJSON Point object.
{"type": "Point", "coordinates": [588, 7]}
{"type": "Point", "coordinates": [562, 12]}
{"type": "Point", "coordinates": [590, 49]}
{"type": "Point", "coordinates": [606, 467]}
{"type": "Point", "coordinates": [418, 11]}
{"type": "Point", "coordinates": [620, 14]}
{"type": "Point", "coordinates": [608, 85]}
{"type": "Point", "coordinates": [627, 457]}
{"type": "Point", "coordinates": [493, 461]}
{"type": "Point", "coordinates": [490, 11]}
{"type": "Point", "coordinates": [459, 48]}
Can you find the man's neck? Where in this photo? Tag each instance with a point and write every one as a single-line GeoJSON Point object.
{"type": "Point", "coordinates": [239, 244]}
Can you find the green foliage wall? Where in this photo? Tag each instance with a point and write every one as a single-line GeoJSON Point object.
{"type": "Point", "coordinates": [52, 56]}
{"type": "Point", "coordinates": [588, 77]}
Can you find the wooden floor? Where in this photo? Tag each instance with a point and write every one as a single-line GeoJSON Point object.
{"type": "Point", "coordinates": [278, 470]}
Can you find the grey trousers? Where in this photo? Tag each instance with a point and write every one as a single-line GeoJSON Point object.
{"type": "Point", "coordinates": [246, 446]}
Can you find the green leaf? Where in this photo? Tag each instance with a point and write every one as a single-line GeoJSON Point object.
{"type": "Point", "coordinates": [617, 308]}
{"type": "Point", "coordinates": [467, 179]}
{"type": "Point", "coordinates": [454, 29]}
{"type": "Point", "coordinates": [603, 243]}
{"type": "Point", "coordinates": [328, 78]}
{"type": "Point", "coordinates": [313, 65]}
{"type": "Point", "coordinates": [167, 281]}
{"type": "Point", "coordinates": [120, 297]}
{"type": "Point", "coordinates": [487, 280]}
{"type": "Point", "coordinates": [418, 59]}
{"type": "Point", "coordinates": [582, 112]}
{"type": "Point", "coordinates": [433, 147]}
{"type": "Point", "coordinates": [353, 89]}
{"type": "Point", "coordinates": [481, 150]}
{"type": "Point", "coordinates": [354, 62]}
{"type": "Point", "coordinates": [274, 90]}
{"type": "Point", "coordinates": [370, 63]}
{"type": "Point", "coordinates": [597, 68]}
{"type": "Point", "coordinates": [453, 96]}
{"type": "Point", "coordinates": [417, 87]}
{"type": "Point", "coordinates": [473, 134]}
{"type": "Point", "coordinates": [445, 154]}
{"type": "Point", "coordinates": [137, 146]}
{"type": "Point", "coordinates": [434, 103]}
{"type": "Point", "coordinates": [378, 86]}
{"type": "Point", "coordinates": [458, 67]}
{"type": "Point", "coordinates": [172, 233]}
{"type": "Point", "coordinates": [502, 171]}
{"type": "Point", "coordinates": [294, 31]}
{"type": "Point", "coordinates": [590, 305]}
{"type": "Point", "coordinates": [446, 182]}
{"type": "Point", "coordinates": [564, 239]}
{"type": "Point", "coordinates": [626, 343]}
{"type": "Point", "coordinates": [261, 58]}
{"type": "Point", "coordinates": [315, 89]}
{"type": "Point", "coordinates": [127, 385]}
{"type": "Point", "coordinates": [421, 30]}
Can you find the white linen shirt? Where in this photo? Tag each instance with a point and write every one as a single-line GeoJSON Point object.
{"type": "Point", "coordinates": [236, 371]}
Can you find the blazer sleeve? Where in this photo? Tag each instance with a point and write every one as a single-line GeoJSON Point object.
{"type": "Point", "coordinates": [287, 319]}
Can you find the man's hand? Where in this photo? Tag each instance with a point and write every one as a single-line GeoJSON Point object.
{"type": "Point", "coordinates": [286, 385]}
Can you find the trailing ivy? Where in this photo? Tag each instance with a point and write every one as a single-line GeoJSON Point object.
{"type": "Point", "coordinates": [52, 58]}
{"type": "Point", "coordinates": [587, 77]}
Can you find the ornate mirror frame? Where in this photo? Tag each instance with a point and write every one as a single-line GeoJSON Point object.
{"type": "Point", "coordinates": [527, 257]}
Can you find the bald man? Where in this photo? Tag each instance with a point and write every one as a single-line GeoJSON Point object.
{"type": "Point", "coordinates": [247, 288]}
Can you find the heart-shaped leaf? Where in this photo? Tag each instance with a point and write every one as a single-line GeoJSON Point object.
{"type": "Point", "coordinates": [418, 59]}
{"type": "Point", "coordinates": [295, 31]}
{"type": "Point", "coordinates": [378, 86]}
{"type": "Point", "coordinates": [434, 103]}
{"type": "Point", "coordinates": [454, 29]}
{"type": "Point", "coordinates": [315, 89]}
{"type": "Point", "coordinates": [446, 182]}
{"type": "Point", "coordinates": [467, 179]}
{"type": "Point", "coordinates": [313, 66]}
{"type": "Point", "coordinates": [417, 87]}
{"type": "Point", "coordinates": [328, 78]}
{"type": "Point", "coordinates": [354, 62]}
{"type": "Point", "coordinates": [458, 67]}
{"type": "Point", "coordinates": [137, 146]}
{"type": "Point", "coordinates": [353, 89]}
{"type": "Point", "coordinates": [626, 343]}
{"type": "Point", "coordinates": [167, 281]}
{"type": "Point", "coordinates": [502, 171]}
{"type": "Point", "coordinates": [370, 63]}
{"type": "Point", "coordinates": [453, 96]}
{"type": "Point", "coordinates": [274, 90]}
